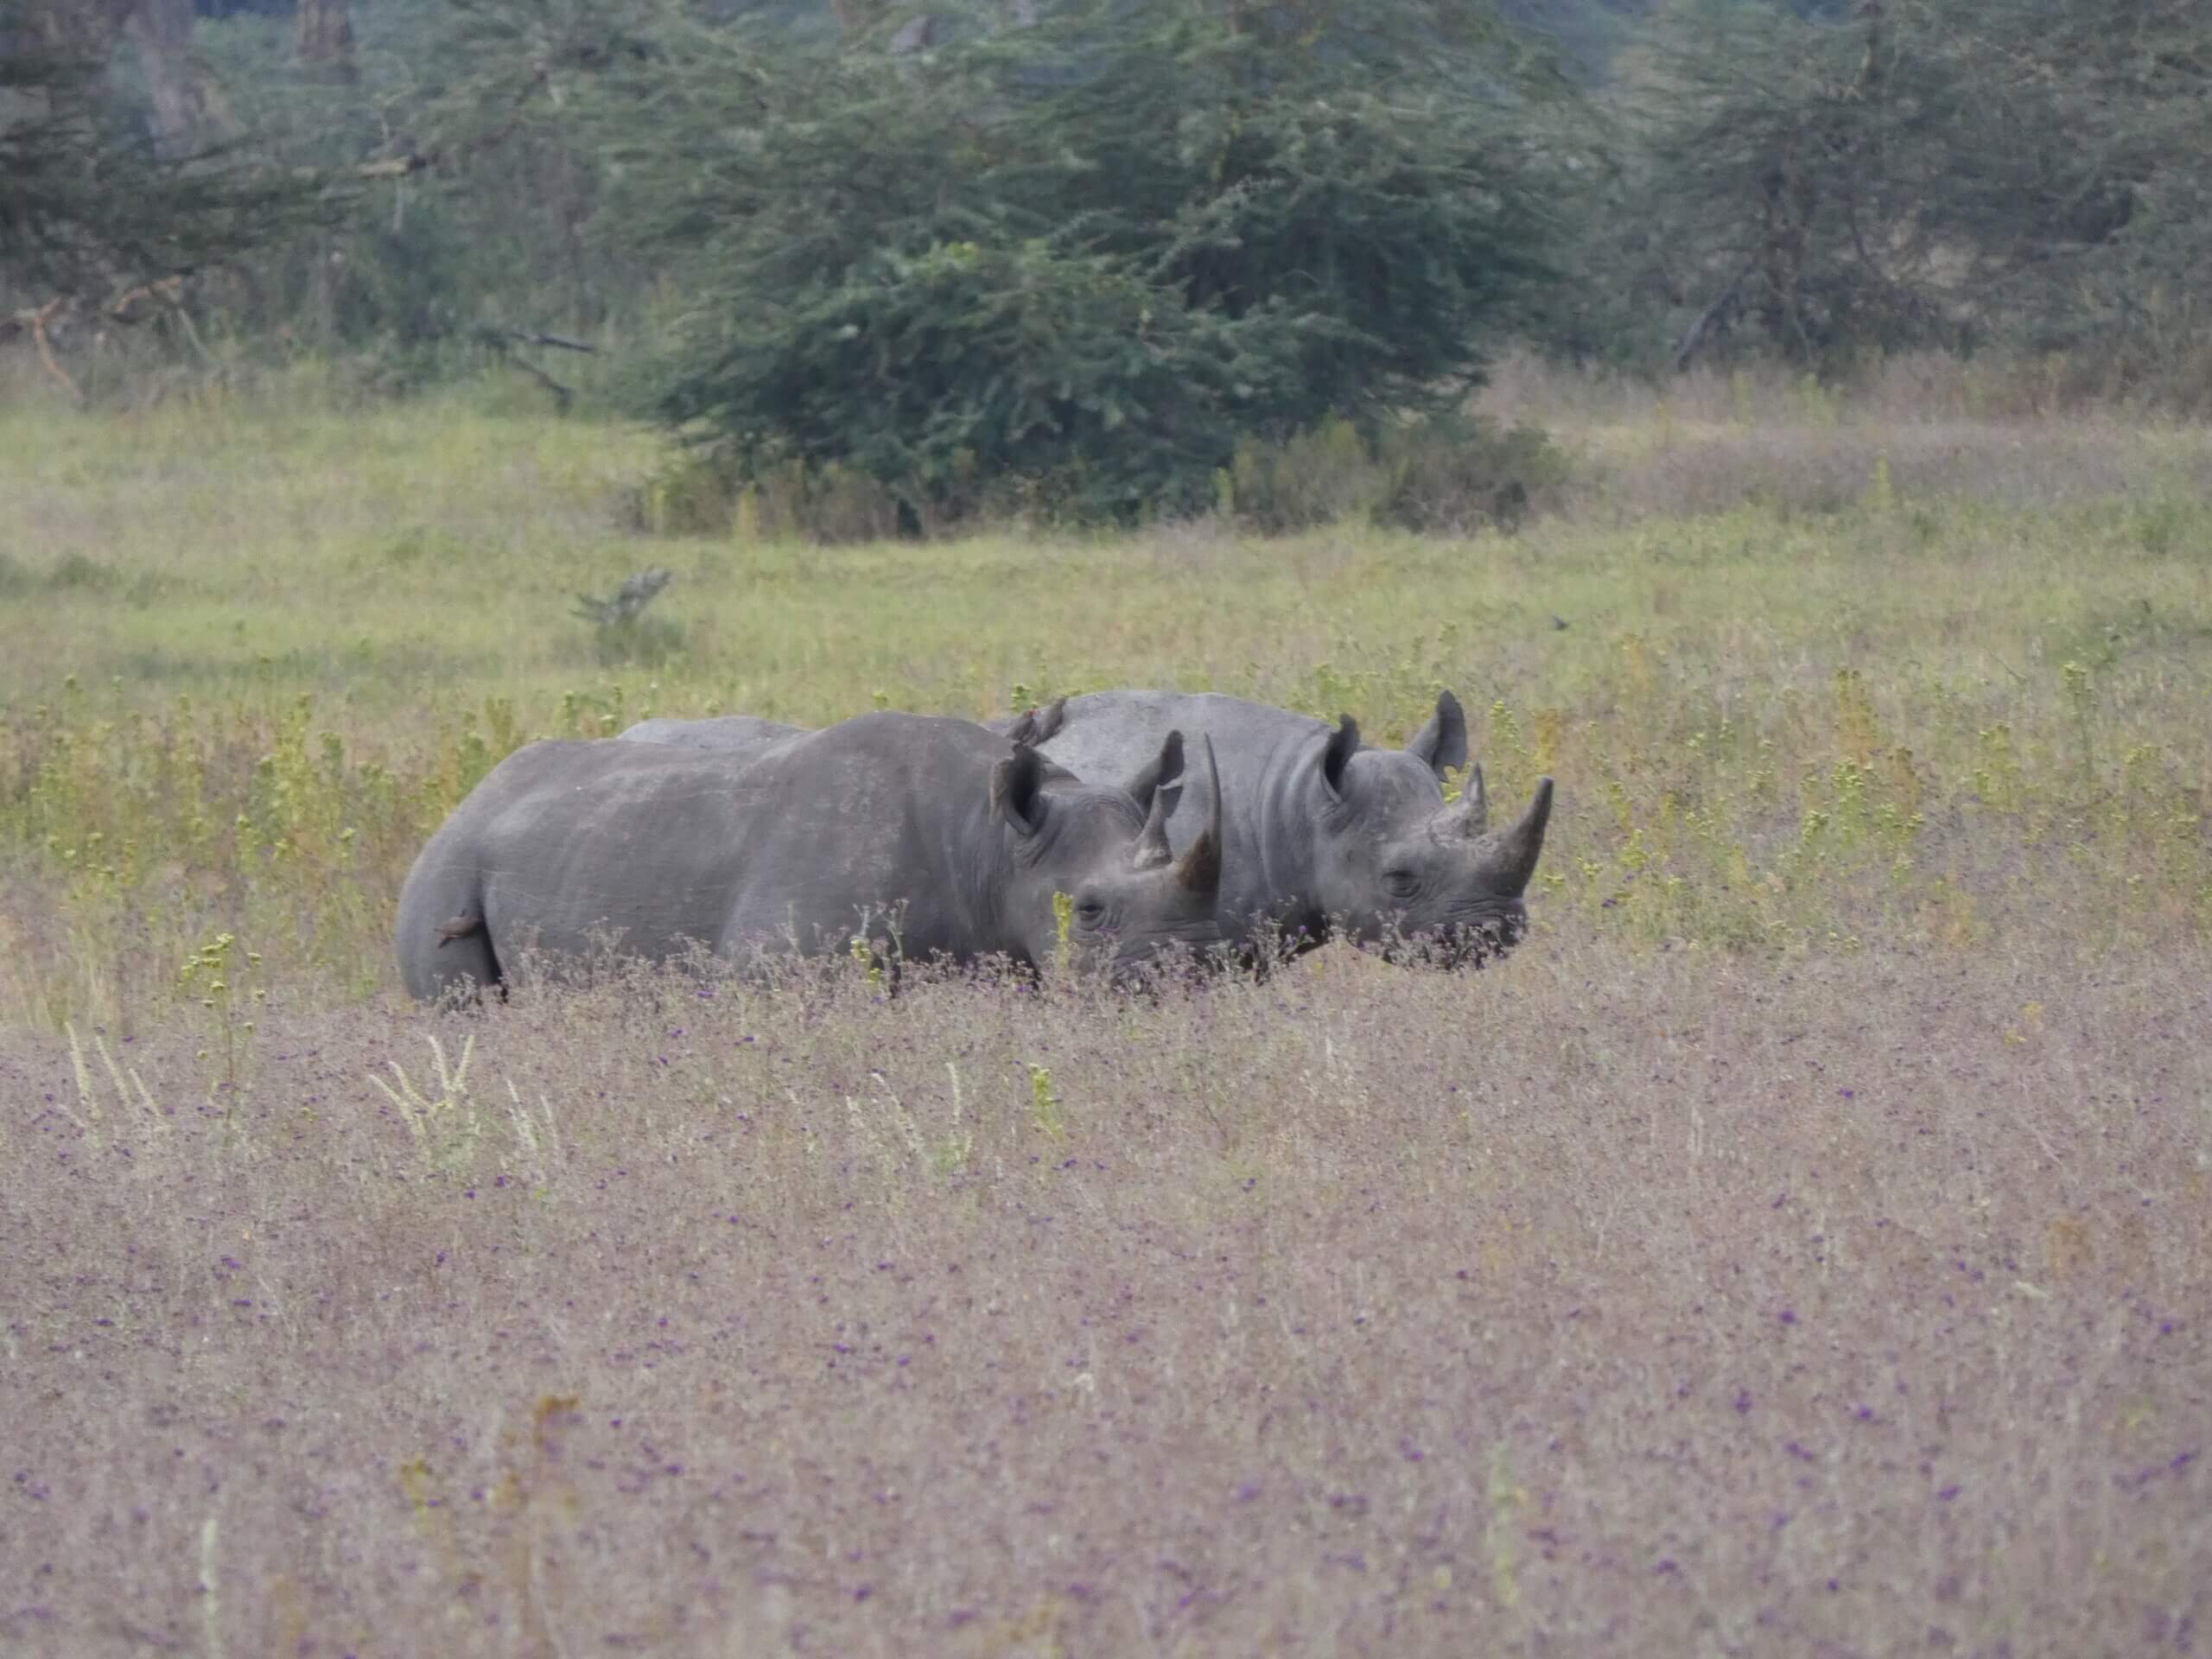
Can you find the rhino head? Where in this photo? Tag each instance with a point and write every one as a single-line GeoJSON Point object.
{"type": "Point", "coordinates": [1408, 869]}
{"type": "Point", "coordinates": [1132, 899]}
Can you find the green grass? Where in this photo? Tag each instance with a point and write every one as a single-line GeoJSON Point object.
{"type": "Point", "coordinates": [254, 650]}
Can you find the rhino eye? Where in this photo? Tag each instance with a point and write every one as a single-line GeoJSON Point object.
{"type": "Point", "coordinates": [1400, 884]}
{"type": "Point", "coordinates": [1089, 913]}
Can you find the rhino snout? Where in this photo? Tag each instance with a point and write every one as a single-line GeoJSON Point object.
{"type": "Point", "coordinates": [1464, 941]}
{"type": "Point", "coordinates": [1473, 943]}
{"type": "Point", "coordinates": [1198, 951]}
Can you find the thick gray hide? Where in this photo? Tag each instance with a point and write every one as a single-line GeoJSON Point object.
{"type": "Point", "coordinates": [934, 833]}
{"type": "Point", "coordinates": [1319, 832]}
{"type": "Point", "coordinates": [747, 736]}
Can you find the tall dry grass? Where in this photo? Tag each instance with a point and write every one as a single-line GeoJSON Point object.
{"type": "Point", "coordinates": [1583, 1305]}
{"type": "Point", "coordinates": [1916, 429]}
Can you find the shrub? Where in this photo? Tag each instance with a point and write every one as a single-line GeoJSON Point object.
{"type": "Point", "coordinates": [1454, 473]}
{"type": "Point", "coordinates": [829, 503]}
{"type": "Point", "coordinates": [1448, 473]}
{"type": "Point", "coordinates": [1311, 478]}
{"type": "Point", "coordinates": [692, 494]}
{"type": "Point", "coordinates": [945, 377]}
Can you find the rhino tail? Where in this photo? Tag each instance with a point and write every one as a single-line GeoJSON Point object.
{"type": "Point", "coordinates": [474, 963]}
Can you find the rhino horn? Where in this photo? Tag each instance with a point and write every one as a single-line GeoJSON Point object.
{"type": "Point", "coordinates": [1472, 814]}
{"type": "Point", "coordinates": [1157, 788]}
{"type": "Point", "coordinates": [1510, 856]}
{"type": "Point", "coordinates": [1200, 869]}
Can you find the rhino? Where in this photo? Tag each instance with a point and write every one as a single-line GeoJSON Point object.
{"type": "Point", "coordinates": [936, 833]}
{"type": "Point", "coordinates": [1320, 832]}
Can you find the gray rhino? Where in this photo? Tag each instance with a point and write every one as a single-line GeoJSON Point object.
{"type": "Point", "coordinates": [936, 833]}
{"type": "Point", "coordinates": [1321, 832]}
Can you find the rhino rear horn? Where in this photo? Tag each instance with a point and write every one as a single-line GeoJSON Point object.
{"type": "Point", "coordinates": [1200, 869]}
{"type": "Point", "coordinates": [1157, 789]}
{"type": "Point", "coordinates": [1473, 810]}
{"type": "Point", "coordinates": [1443, 741]}
{"type": "Point", "coordinates": [1512, 853]}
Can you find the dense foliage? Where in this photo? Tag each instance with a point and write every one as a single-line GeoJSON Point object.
{"type": "Point", "coordinates": [1083, 254]}
{"type": "Point", "coordinates": [1082, 257]}
{"type": "Point", "coordinates": [1921, 172]}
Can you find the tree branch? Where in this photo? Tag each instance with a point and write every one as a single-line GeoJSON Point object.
{"type": "Point", "coordinates": [1693, 337]}
{"type": "Point", "coordinates": [37, 320]}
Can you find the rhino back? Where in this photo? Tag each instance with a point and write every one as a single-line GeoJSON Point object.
{"type": "Point", "coordinates": [744, 736]}
{"type": "Point", "coordinates": [643, 842]}
{"type": "Point", "coordinates": [528, 855]}
{"type": "Point", "coordinates": [887, 813]}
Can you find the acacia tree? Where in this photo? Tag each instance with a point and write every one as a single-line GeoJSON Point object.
{"type": "Point", "coordinates": [1083, 251]}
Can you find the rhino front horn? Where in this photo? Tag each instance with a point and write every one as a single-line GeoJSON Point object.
{"type": "Point", "coordinates": [1514, 852]}
{"type": "Point", "coordinates": [1200, 868]}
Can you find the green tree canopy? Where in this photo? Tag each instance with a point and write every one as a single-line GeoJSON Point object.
{"type": "Point", "coordinates": [1097, 249]}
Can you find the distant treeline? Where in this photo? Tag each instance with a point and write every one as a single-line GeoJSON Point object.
{"type": "Point", "coordinates": [1094, 245]}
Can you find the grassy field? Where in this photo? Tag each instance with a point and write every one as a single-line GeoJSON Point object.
{"type": "Point", "coordinates": [1803, 1244]}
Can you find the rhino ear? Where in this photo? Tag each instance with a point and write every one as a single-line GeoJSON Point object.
{"type": "Point", "coordinates": [1336, 754]}
{"type": "Point", "coordinates": [1018, 791]}
{"type": "Point", "coordinates": [1442, 743]}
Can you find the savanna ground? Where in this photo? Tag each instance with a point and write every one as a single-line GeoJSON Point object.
{"type": "Point", "coordinates": [1800, 1245]}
